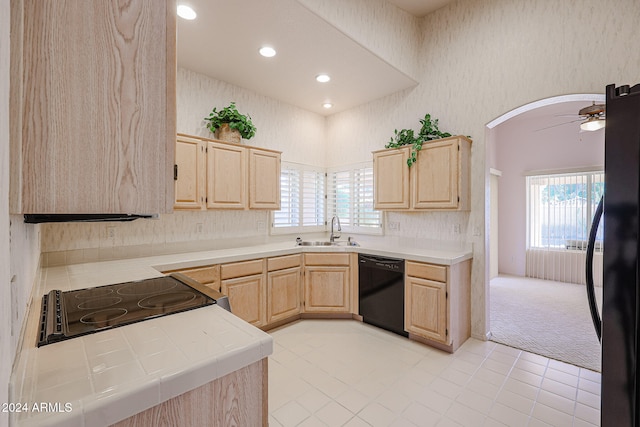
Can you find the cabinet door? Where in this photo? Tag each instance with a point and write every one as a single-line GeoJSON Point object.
{"type": "Point", "coordinates": [264, 179]}
{"type": "Point", "coordinates": [190, 173]}
{"type": "Point", "coordinates": [98, 106]}
{"type": "Point", "coordinates": [391, 179]}
{"type": "Point", "coordinates": [426, 308]}
{"type": "Point", "coordinates": [226, 176]}
{"type": "Point", "coordinates": [326, 289]}
{"type": "Point", "coordinates": [435, 176]}
{"type": "Point", "coordinates": [246, 297]}
{"type": "Point", "coordinates": [283, 294]}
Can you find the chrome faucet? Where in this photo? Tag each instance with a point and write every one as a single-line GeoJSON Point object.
{"type": "Point", "coordinates": [333, 236]}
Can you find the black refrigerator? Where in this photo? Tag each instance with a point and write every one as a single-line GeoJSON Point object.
{"type": "Point", "coordinates": [620, 325]}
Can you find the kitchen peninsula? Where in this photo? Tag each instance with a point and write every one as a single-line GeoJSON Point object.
{"type": "Point", "coordinates": [202, 364]}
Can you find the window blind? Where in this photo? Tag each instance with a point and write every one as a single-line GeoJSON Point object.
{"type": "Point", "coordinates": [350, 197]}
{"type": "Point", "coordinates": [561, 209]}
{"type": "Point", "coordinates": [302, 199]}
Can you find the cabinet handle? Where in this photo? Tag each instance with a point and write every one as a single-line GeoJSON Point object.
{"type": "Point", "coordinates": [175, 172]}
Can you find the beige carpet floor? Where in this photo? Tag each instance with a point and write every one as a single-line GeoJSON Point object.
{"type": "Point", "coordinates": [545, 317]}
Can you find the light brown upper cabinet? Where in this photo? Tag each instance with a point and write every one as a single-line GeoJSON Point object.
{"type": "Point", "coordinates": [391, 177]}
{"type": "Point", "coordinates": [190, 173]}
{"type": "Point", "coordinates": [228, 176]}
{"type": "Point", "coordinates": [438, 180]}
{"type": "Point", "coordinates": [264, 191]}
{"type": "Point", "coordinates": [93, 99]}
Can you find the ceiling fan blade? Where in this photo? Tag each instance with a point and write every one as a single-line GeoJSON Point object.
{"type": "Point", "coordinates": [559, 124]}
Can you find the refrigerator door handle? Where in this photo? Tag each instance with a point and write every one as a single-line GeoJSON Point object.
{"type": "Point", "coordinates": [593, 306]}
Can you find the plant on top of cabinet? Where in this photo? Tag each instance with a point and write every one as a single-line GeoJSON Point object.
{"type": "Point", "coordinates": [428, 132]}
{"type": "Point", "coordinates": [230, 125]}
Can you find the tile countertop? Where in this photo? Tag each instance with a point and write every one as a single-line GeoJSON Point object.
{"type": "Point", "coordinates": [101, 378]}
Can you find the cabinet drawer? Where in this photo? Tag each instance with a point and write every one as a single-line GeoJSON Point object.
{"type": "Point", "coordinates": [203, 275]}
{"type": "Point", "coordinates": [427, 271]}
{"type": "Point", "coordinates": [240, 269]}
{"type": "Point", "coordinates": [282, 262]}
{"type": "Point", "coordinates": [326, 259]}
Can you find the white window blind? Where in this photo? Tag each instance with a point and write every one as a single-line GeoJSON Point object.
{"type": "Point", "coordinates": [302, 199]}
{"type": "Point", "coordinates": [350, 197]}
{"type": "Point", "coordinates": [561, 209]}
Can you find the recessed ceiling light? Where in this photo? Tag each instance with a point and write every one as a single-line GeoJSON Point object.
{"type": "Point", "coordinates": [327, 105]}
{"type": "Point", "coordinates": [185, 12]}
{"type": "Point", "coordinates": [267, 51]}
{"type": "Point", "coordinates": [323, 78]}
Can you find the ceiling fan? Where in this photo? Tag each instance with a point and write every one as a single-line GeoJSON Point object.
{"type": "Point", "coordinates": [591, 117]}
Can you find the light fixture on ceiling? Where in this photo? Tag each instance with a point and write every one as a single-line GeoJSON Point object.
{"type": "Point", "coordinates": [323, 78]}
{"type": "Point", "coordinates": [327, 105]}
{"type": "Point", "coordinates": [267, 51]}
{"type": "Point", "coordinates": [592, 123]}
{"type": "Point", "coordinates": [186, 12]}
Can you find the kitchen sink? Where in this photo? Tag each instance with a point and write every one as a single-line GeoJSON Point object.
{"type": "Point", "coordinates": [349, 242]}
{"type": "Point", "coordinates": [316, 243]}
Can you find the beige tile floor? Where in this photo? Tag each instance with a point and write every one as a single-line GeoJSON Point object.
{"type": "Point", "coordinates": [347, 373]}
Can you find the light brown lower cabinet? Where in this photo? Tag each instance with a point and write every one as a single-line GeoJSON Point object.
{"type": "Point", "coordinates": [426, 308]}
{"type": "Point", "coordinates": [284, 298]}
{"type": "Point", "coordinates": [438, 303]}
{"type": "Point", "coordinates": [270, 292]}
{"type": "Point", "coordinates": [327, 283]}
{"type": "Point", "coordinates": [244, 284]}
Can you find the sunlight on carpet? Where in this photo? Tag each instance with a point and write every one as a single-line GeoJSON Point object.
{"type": "Point", "coordinates": [545, 317]}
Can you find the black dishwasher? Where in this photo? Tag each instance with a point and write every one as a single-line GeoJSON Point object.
{"type": "Point", "coordinates": [381, 292]}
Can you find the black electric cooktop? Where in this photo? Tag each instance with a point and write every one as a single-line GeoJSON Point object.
{"type": "Point", "coordinates": [71, 314]}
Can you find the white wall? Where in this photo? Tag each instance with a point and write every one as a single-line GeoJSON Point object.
{"type": "Point", "coordinates": [19, 242]}
{"type": "Point", "coordinates": [480, 59]}
{"type": "Point", "coordinates": [6, 353]}
{"type": "Point", "coordinates": [475, 60]}
{"type": "Point", "coordinates": [298, 133]}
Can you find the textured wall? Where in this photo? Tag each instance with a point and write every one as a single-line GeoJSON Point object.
{"type": "Point", "coordinates": [298, 133]}
{"type": "Point", "coordinates": [480, 59]}
{"type": "Point", "coordinates": [475, 60]}
{"type": "Point", "coordinates": [6, 351]}
{"type": "Point", "coordinates": [19, 242]}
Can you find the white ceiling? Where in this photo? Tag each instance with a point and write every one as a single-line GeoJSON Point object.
{"type": "Point", "coordinates": [223, 43]}
{"type": "Point", "coordinates": [549, 117]}
{"type": "Point", "coordinates": [420, 8]}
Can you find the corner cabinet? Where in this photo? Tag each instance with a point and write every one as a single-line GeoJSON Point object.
{"type": "Point", "coordinates": [244, 284]}
{"type": "Point", "coordinates": [212, 174]}
{"type": "Point", "coordinates": [438, 180]}
{"type": "Point", "coordinates": [284, 290]}
{"type": "Point", "coordinates": [93, 122]}
{"type": "Point", "coordinates": [327, 283]}
{"type": "Point", "coordinates": [438, 303]}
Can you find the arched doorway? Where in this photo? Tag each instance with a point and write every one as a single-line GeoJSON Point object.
{"type": "Point", "coordinates": [541, 136]}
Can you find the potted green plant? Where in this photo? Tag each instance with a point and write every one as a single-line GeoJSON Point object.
{"type": "Point", "coordinates": [230, 125]}
{"type": "Point", "coordinates": [428, 132]}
